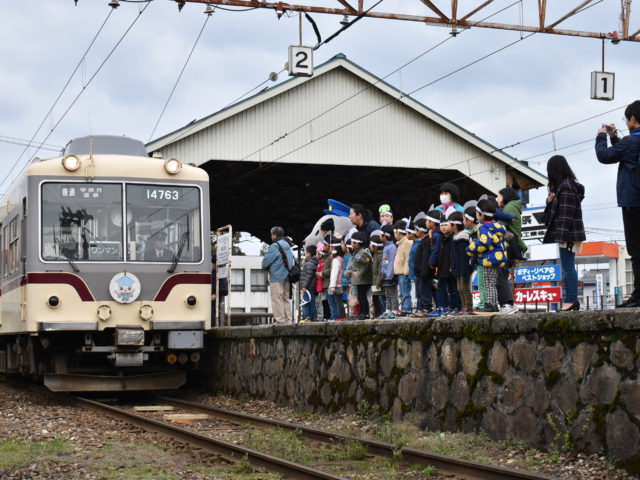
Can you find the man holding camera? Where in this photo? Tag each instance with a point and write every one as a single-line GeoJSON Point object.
{"type": "Point", "coordinates": [626, 152]}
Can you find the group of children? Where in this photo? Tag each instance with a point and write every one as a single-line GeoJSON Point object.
{"type": "Point", "coordinates": [436, 251]}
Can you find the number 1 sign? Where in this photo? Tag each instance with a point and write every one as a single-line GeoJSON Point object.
{"type": "Point", "coordinates": [602, 85]}
{"type": "Point", "coordinates": [300, 61]}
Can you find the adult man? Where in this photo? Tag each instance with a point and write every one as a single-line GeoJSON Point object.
{"type": "Point", "coordinates": [625, 151]}
{"type": "Point", "coordinates": [274, 262]}
{"type": "Point", "coordinates": [158, 251]}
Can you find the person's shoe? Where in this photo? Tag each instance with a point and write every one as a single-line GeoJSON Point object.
{"type": "Point", "coordinates": [631, 302]}
{"type": "Point", "coordinates": [417, 314]}
{"type": "Point", "coordinates": [438, 312]}
{"type": "Point", "coordinates": [488, 308]}
{"type": "Point", "coordinates": [465, 311]}
{"type": "Point", "coordinates": [341, 319]}
{"type": "Point", "coordinates": [509, 309]}
{"type": "Point", "coordinates": [453, 312]}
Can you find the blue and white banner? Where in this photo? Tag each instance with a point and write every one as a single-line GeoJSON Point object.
{"type": "Point", "coordinates": [542, 273]}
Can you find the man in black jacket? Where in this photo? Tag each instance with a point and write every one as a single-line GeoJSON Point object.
{"type": "Point", "coordinates": [626, 152]}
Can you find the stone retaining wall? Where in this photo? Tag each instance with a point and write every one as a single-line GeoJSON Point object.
{"type": "Point", "coordinates": [541, 379]}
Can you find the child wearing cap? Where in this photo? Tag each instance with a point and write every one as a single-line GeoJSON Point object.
{"type": "Point", "coordinates": [415, 241]}
{"type": "Point", "coordinates": [361, 273]}
{"type": "Point", "coordinates": [376, 246]}
{"type": "Point", "coordinates": [335, 282]}
{"type": "Point", "coordinates": [386, 216]}
{"type": "Point", "coordinates": [389, 283]}
{"type": "Point", "coordinates": [322, 306]}
{"type": "Point", "coordinates": [446, 281]}
{"type": "Point", "coordinates": [308, 283]}
{"type": "Point", "coordinates": [434, 217]}
{"type": "Point", "coordinates": [460, 266]}
{"type": "Point", "coordinates": [351, 298]}
{"type": "Point", "coordinates": [326, 276]}
{"type": "Point", "coordinates": [488, 246]}
{"type": "Point", "coordinates": [401, 265]}
{"type": "Point", "coordinates": [424, 284]}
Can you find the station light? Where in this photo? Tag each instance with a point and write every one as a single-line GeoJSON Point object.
{"type": "Point", "coordinates": [173, 166]}
{"type": "Point", "coordinates": [71, 163]}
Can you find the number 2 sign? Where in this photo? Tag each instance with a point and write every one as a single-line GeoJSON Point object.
{"type": "Point", "coordinates": [300, 61]}
{"type": "Point", "coordinates": [602, 85]}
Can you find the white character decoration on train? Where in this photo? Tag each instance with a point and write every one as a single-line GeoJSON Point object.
{"type": "Point", "coordinates": [336, 220]}
{"type": "Point", "coordinates": [124, 287]}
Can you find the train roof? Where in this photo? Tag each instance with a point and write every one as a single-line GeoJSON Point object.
{"type": "Point", "coordinates": [105, 144]}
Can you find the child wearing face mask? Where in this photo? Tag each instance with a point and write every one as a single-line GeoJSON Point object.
{"type": "Point", "coordinates": [449, 197]}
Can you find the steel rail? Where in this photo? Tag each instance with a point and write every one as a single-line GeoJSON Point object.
{"type": "Point", "coordinates": [467, 469]}
{"type": "Point", "coordinates": [225, 449]}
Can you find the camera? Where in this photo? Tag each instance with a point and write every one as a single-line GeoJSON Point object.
{"type": "Point", "coordinates": [610, 129]}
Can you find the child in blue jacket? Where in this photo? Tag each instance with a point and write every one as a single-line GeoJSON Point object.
{"type": "Point", "coordinates": [434, 217]}
{"type": "Point", "coordinates": [389, 283]}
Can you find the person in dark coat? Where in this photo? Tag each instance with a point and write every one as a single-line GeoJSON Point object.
{"type": "Point", "coordinates": [362, 221]}
{"type": "Point", "coordinates": [626, 152]}
{"type": "Point", "coordinates": [424, 290]}
{"type": "Point", "coordinates": [461, 268]}
{"type": "Point", "coordinates": [563, 217]}
{"type": "Point", "coordinates": [434, 217]}
{"type": "Point", "coordinates": [158, 251]}
{"type": "Point", "coordinates": [308, 283]}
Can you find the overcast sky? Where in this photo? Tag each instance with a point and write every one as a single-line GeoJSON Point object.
{"type": "Point", "coordinates": [538, 85]}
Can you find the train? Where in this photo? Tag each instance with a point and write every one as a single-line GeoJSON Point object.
{"type": "Point", "coordinates": [105, 276]}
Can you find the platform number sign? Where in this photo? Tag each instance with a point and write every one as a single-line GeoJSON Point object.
{"type": "Point", "coordinates": [602, 85]}
{"type": "Point", "coordinates": [300, 61]}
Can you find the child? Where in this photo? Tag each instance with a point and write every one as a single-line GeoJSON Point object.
{"type": "Point", "coordinates": [389, 284]}
{"type": "Point", "coordinates": [308, 283]}
{"type": "Point", "coordinates": [351, 298]}
{"type": "Point", "coordinates": [326, 277]}
{"type": "Point", "coordinates": [361, 273]}
{"type": "Point", "coordinates": [489, 248]}
{"type": "Point", "coordinates": [335, 281]}
{"type": "Point", "coordinates": [322, 306]}
{"type": "Point", "coordinates": [376, 246]}
{"type": "Point", "coordinates": [424, 291]}
{"type": "Point", "coordinates": [449, 197]}
{"type": "Point", "coordinates": [460, 266]}
{"type": "Point", "coordinates": [411, 235]}
{"type": "Point", "coordinates": [401, 265]}
{"type": "Point", "coordinates": [449, 295]}
{"type": "Point", "coordinates": [434, 217]}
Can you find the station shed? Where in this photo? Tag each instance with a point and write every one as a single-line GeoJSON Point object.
{"type": "Point", "coordinates": [344, 133]}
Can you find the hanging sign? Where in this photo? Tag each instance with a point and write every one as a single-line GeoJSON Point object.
{"type": "Point", "coordinates": [602, 85]}
{"type": "Point", "coordinates": [300, 61]}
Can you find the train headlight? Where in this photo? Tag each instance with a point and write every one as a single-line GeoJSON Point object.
{"type": "Point", "coordinates": [146, 312]}
{"type": "Point", "coordinates": [71, 163]}
{"type": "Point", "coordinates": [53, 301]}
{"type": "Point", "coordinates": [172, 358]}
{"type": "Point", "coordinates": [191, 301]}
{"type": "Point", "coordinates": [173, 166]}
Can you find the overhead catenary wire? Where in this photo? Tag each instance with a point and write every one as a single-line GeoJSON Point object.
{"type": "Point", "coordinates": [64, 88]}
{"type": "Point", "coordinates": [206, 20]}
{"type": "Point", "coordinates": [93, 76]}
{"type": "Point", "coordinates": [24, 141]}
{"type": "Point", "coordinates": [366, 88]}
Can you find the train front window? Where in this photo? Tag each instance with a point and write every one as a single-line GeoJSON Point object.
{"type": "Point", "coordinates": [81, 222]}
{"type": "Point", "coordinates": [163, 220]}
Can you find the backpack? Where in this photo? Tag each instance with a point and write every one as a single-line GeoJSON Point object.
{"type": "Point", "coordinates": [294, 270]}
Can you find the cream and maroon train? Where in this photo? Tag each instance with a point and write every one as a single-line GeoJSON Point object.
{"type": "Point", "coordinates": [105, 275]}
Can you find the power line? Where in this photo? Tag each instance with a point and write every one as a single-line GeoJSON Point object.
{"type": "Point", "coordinates": [79, 94]}
{"type": "Point", "coordinates": [22, 141]}
{"type": "Point", "coordinates": [180, 76]}
{"type": "Point", "coordinates": [82, 58]}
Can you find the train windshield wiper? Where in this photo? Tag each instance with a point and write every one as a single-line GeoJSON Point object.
{"type": "Point", "coordinates": [73, 265]}
{"type": "Point", "coordinates": [176, 257]}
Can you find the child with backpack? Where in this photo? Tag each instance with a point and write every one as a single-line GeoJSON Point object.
{"type": "Point", "coordinates": [361, 273]}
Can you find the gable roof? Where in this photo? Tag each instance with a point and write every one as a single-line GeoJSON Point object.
{"type": "Point", "coordinates": [340, 61]}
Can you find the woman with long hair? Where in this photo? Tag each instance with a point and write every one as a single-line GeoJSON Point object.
{"type": "Point", "coordinates": [563, 217]}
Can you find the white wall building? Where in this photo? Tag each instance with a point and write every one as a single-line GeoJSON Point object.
{"type": "Point", "coordinates": [248, 291]}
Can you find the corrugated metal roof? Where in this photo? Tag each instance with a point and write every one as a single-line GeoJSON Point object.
{"type": "Point", "coordinates": [341, 115]}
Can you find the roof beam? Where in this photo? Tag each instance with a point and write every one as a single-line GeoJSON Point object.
{"type": "Point", "coordinates": [442, 19]}
{"type": "Point", "coordinates": [476, 10]}
{"type": "Point", "coordinates": [347, 6]}
{"type": "Point", "coordinates": [571, 13]}
{"type": "Point", "coordinates": [435, 9]}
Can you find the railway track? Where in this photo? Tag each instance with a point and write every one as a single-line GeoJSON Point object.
{"type": "Point", "coordinates": [467, 469]}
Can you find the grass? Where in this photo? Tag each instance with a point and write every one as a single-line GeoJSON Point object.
{"type": "Point", "coordinates": [14, 453]}
{"type": "Point", "coordinates": [290, 445]}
